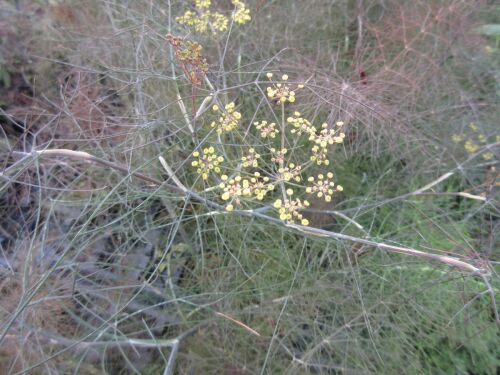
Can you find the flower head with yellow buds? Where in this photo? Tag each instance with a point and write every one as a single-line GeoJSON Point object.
{"type": "Point", "coordinates": [229, 119]}
{"type": "Point", "coordinates": [326, 136]}
{"type": "Point", "coordinates": [241, 13]}
{"type": "Point", "coordinates": [278, 156]}
{"type": "Point", "coordinates": [260, 186]}
{"type": "Point", "coordinates": [289, 209]}
{"type": "Point", "coordinates": [322, 139]}
{"type": "Point", "coordinates": [267, 130]}
{"type": "Point", "coordinates": [487, 155]}
{"type": "Point", "coordinates": [206, 162]}
{"type": "Point", "coordinates": [473, 127]}
{"type": "Point", "coordinates": [323, 187]}
{"type": "Point", "coordinates": [235, 189]}
{"type": "Point", "coordinates": [203, 19]}
{"type": "Point", "coordinates": [203, 4]}
{"type": "Point", "coordinates": [470, 146]}
{"type": "Point", "coordinates": [473, 143]}
{"type": "Point", "coordinates": [319, 155]}
{"type": "Point", "coordinates": [300, 124]}
{"type": "Point", "coordinates": [251, 160]}
{"type": "Point", "coordinates": [290, 172]}
{"type": "Point", "coordinates": [281, 93]}
{"type": "Point", "coordinates": [279, 166]}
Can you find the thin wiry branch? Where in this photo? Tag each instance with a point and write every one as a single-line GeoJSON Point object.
{"type": "Point", "coordinates": [316, 232]}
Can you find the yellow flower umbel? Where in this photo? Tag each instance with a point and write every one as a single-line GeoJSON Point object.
{"type": "Point", "coordinates": [260, 186]}
{"type": "Point", "coordinates": [192, 19]}
{"type": "Point", "coordinates": [327, 136]}
{"type": "Point", "coordinates": [289, 210]}
{"type": "Point", "coordinates": [234, 189]}
{"type": "Point", "coordinates": [266, 130]}
{"type": "Point", "coordinates": [241, 14]}
{"type": "Point", "coordinates": [203, 4]}
{"type": "Point", "coordinates": [206, 162]}
{"type": "Point", "coordinates": [290, 172]}
{"type": "Point", "coordinates": [300, 124]}
{"type": "Point", "coordinates": [320, 155]}
{"type": "Point", "coordinates": [229, 119]}
{"type": "Point", "coordinates": [323, 187]}
{"type": "Point", "coordinates": [251, 160]}
{"type": "Point", "coordinates": [203, 18]}
{"type": "Point", "coordinates": [278, 156]}
{"type": "Point", "coordinates": [487, 155]}
{"type": "Point", "coordinates": [471, 144]}
{"type": "Point", "coordinates": [281, 92]}
{"type": "Point", "coordinates": [473, 127]}
{"type": "Point", "coordinates": [219, 22]}
{"type": "Point", "coordinates": [324, 138]}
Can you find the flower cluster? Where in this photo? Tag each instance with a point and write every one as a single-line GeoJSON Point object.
{"type": "Point", "coordinates": [241, 13]}
{"type": "Point", "coordinates": [236, 188]}
{"type": "Point", "coordinates": [267, 130]}
{"type": "Point", "coordinates": [283, 170]}
{"type": "Point", "coordinates": [300, 124]}
{"type": "Point", "coordinates": [278, 156]}
{"type": "Point", "coordinates": [289, 209]}
{"type": "Point", "coordinates": [290, 172]}
{"type": "Point", "coordinates": [251, 160]}
{"type": "Point", "coordinates": [322, 139]}
{"type": "Point", "coordinates": [260, 186]}
{"type": "Point", "coordinates": [203, 4]}
{"type": "Point", "coordinates": [327, 136]}
{"type": "Point", "coordinates": [488, 155]}
{"type": "Point", "coordinates": [204, 19]}
{"type": "Point", "coordinates": [472, 144]}
{"type": "Point", "coordinates": [323, 187]}
{"type": "Point", "coordinates": [281, 92]}
{"type": "Point", "coordinates": [319, 155]}
{"type": "Point", "coordinates": [206, 162]}
{"type": "Point", "coordinates": [229, 119]}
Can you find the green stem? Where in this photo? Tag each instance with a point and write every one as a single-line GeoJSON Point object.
{"type": "Point", "coordinates": [281, 163]}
